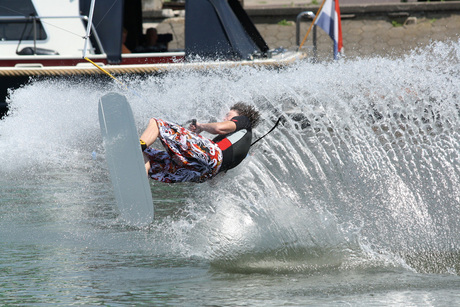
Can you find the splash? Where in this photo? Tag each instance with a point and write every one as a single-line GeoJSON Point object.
{"type": "Point", "coordinates": [364, 169]}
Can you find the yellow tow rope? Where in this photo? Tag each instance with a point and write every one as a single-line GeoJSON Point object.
{"type": "Point", "coordinates": [111, 76]}
{"type": "Point", "coordinates": [106, 72]}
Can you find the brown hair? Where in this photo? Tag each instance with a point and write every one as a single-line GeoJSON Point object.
{"type": "Point", "coordinates": [248, 111]}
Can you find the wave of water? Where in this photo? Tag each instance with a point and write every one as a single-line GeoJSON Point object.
{"type": "Point", "coordinates": [364, 170]}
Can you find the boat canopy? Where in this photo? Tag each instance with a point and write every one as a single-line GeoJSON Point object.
{"type": "Point", "coordinates": [214, 29]}
{"type": "Point", "coordinates": [220, 29]}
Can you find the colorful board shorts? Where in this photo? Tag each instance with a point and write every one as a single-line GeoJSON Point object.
{"type": "Point", "coordinates": [188, 156]}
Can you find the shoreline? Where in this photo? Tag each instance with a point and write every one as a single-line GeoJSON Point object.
{"type": "Point", "coordinates": [369, 29]}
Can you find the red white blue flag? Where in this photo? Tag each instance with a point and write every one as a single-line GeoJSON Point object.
{"type": "Point", "coordinates": [329, 20]}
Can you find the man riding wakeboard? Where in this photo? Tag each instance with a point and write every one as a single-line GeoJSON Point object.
{"type": "Point", "coordinates": [188, 156]}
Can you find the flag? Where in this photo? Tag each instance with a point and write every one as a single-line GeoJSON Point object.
{"type": "Point", "coordinates": [329, 20]}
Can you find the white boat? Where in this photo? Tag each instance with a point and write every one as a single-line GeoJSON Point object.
{"type": "Point", "coordinates": [46, 38]}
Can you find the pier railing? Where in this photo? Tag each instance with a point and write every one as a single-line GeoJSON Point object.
{"type": "Point", "coordinates": [307, 15]}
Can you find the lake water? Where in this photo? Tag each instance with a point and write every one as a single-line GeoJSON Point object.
{"type": "Point", "coordinates": [353, 200]}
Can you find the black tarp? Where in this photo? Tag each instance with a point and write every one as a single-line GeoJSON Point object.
{"type": "Point", "coordinates": [220, 29]}
{"type": "Point", "coordinates": [214, 29]}
{"type": "Point", "coordinates": [108, 20]}
{"type": "Point", "coordinates": [248, 25]}
{"type": "Point", "coordinates": [133, 23]}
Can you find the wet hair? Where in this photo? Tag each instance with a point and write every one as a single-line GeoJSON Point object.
{"type": "Point", "coordinates": [248, 111]}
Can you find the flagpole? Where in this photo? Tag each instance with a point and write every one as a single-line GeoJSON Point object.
{"type": "Point", "coordinates": [88, 28]}
{"type": "Point", "coordinates": [311, 25]}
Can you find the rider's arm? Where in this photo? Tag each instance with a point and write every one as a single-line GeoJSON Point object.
{"type": "Point", "coordinates": [214, 128]}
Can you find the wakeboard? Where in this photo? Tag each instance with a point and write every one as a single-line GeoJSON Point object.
{"type": "Point", "coordinates": [125, 162]}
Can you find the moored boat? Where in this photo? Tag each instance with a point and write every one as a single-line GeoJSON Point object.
{"type": "Point", "coordinates": [39, 40]}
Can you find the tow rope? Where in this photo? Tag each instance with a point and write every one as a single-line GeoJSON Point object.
{"type": "Point", "coordinates": [273, 128]}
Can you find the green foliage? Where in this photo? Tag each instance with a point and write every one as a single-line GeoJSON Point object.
{"type": "Point", "coordinates": [284, 22]}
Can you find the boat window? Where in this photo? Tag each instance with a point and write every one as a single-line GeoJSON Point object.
{"type": "Point", "coordinates": [19, 29]}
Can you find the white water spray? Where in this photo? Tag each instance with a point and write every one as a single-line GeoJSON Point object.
{"type": "Point", "coordinates": [365, 163]}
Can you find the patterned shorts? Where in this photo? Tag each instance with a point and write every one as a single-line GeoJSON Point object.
{"type": "Point", "coordinates": [188, 156]}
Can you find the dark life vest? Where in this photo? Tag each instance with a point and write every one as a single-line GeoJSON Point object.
{"type": "Point", "coordinates": [235, 147]}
